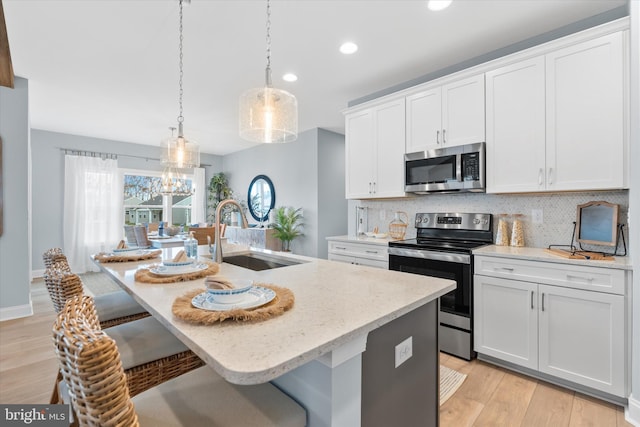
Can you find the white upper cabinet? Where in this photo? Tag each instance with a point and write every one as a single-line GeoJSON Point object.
{"type": "Point", "coordinates": [447, 115]}
{"type": "Point", "coordinates": [516, 127]}
{"type": "Point", "coordinates": [585, 115]}
{"type": "Point", "coordinates": [375, 142]}
{"type": "Point", "coordinates": [557, 122]}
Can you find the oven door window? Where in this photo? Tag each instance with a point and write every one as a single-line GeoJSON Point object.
{"type": "Point", "coordinates": [457, 301]}
{"type": "Point", "coordinates": [435, 170]}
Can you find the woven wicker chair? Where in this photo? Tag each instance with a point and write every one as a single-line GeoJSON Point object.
{"type": "Point", "coordinates": [91, 365]}
{"type": "Point", "coordinates": [153, 354]}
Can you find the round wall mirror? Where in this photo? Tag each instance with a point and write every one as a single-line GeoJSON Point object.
{"type": "Point", "coordinates": [261, 197]}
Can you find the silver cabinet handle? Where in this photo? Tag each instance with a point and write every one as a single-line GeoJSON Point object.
{"type": "Point", "coordinates": [570, 277]}
{"type": "Point", "coordinates": [550, 180]}
{"type": "Point", "coordinates": [374, 187]}
{"type": "Point", "coordinates": [444, 134]}
{"type": "Point", "coordinates": [509, 269]}
{"type": "Point", "coordinates": [531, 300]}
{"type": "Point", "coordinates": [371, 252]}
{"type": "Point", "coordinates": [341, 248]}
{"type": "Point", "coordinates": [437, 137]}
{"type": "Point", "coordinates": [370, 187]}
{"type": "Point", "coordinates": [540, 175]}
{"type": "Point", "coordinates": [543, 301]}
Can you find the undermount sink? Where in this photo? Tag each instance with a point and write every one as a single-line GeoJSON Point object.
{"type": "Point", "coordinates": [259, 261]}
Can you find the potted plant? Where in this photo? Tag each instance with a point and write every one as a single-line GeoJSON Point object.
{"type": "Point", "coordinates": [219, 190]}
{"type": "Point", "coordinates": [287, 223]}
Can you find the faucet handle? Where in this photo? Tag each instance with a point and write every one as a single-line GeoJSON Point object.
{"type": "Point", "coordinates": [209, 241]}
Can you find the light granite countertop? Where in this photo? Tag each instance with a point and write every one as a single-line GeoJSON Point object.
{"type": "Point", "coordinates": [540, 254]}
{"type": "Point", "coordinates": [335, 304]}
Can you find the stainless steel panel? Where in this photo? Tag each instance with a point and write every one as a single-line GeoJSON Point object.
{"type": "Point", "coordinates": [455, 320]}
{"type": "Point", "coordinates": [432, 255]}
{"type": "Point", "coordinates": [456, 342]}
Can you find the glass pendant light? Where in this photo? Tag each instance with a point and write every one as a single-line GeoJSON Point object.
{"type": "Point", "coordinates": [267, 114]}
{"type": "Point", "coordinates": [174, 180]}
{"type": "Point", "coordinates": [180, 152]}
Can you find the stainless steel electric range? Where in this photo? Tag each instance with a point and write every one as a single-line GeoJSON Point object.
{"type": "Point", "coordinates": [442, 248]}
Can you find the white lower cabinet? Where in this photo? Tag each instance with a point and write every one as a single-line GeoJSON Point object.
{"type": "Point", "coordinates": [371, 255]}
{"type": "Point", "coordinates": [574, 334]}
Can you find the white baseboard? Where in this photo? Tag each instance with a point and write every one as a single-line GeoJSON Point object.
{"type": "Point", "coordinates": [16, 312]}
{"type": "Point", "coordinates": [632, 414]}
{"type": "Point", "coordinates": [36, 274]}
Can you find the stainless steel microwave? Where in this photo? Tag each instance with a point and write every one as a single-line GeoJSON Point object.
{"type": "Point", "coordinates": [451, 169]}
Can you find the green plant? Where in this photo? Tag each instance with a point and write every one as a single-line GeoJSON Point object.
{"type": "Point", "coordinates": [287, 223]}
{"type": "Point", "coordinates": [219, 190]}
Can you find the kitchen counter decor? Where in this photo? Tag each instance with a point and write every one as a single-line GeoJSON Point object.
{"type": "Point", "coordinates": [155, 273]}
{"type": "Point", "coordinates": [184, 309]}
{"type": "Point", "coordinates": [140, 255]}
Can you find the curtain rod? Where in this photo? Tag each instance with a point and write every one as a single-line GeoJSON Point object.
{"type": "Point", "coordinates": [114, 156]}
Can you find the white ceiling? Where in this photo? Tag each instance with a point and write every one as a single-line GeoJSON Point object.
{"type": "Point", "coordinates": [109, 68]}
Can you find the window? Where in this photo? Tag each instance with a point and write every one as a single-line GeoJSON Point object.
{"type": "Point", "coordinates": [143, 202]}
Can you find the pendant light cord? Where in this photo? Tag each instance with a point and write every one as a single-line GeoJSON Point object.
{"type": "Point", "coordinates": [268, 70]}
{"type": "Point", "coordinates": [180, 117]}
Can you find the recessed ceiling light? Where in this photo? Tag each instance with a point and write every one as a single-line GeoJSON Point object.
{"type": "Point", "coordinates": [348, 48]}
{"type": "Point", "coordinates": [289, 77]}
{"type": "Point", "coordinates": [436, 5]}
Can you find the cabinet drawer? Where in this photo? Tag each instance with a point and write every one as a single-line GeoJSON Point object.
{"type": "Point", "coordinates": [570, 276]}
{"type": "Point", "coordinates": [361, 250]}
{"type": "Point", "coordinates": [359, 261]}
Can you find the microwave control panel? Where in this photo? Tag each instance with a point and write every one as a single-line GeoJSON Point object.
{"type": "Point", "coordinates": [471, 166]}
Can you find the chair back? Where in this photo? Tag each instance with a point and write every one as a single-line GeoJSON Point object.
{"type": "Point", "coordinates": [201, 233]}
{"type": "Point", "coordinates": [91, 367]}
{"type": "Point", "coordinates": [53, 255]}
{"type": "Point", "coordinates": [62, 285]}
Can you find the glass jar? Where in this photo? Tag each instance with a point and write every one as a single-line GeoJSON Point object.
{"type": "Point", "coordinates": [517, 230]}
{"type": "Point", "coordinates": [502, 235]}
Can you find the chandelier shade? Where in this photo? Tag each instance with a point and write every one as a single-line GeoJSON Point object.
{"type": "Point", "coordinates": [179, 152]}
{"type": "Point", "coordinates": [268, 115]}
{"type": "Point", "coordinates": [175, 183]}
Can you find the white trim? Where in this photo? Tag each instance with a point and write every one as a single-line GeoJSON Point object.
{"type": "Point", "coordinates": [16, 312]}
{"type": "Point", "coordinates": [37, 274]}
{"type": "Point", "coordinates": [632, 412]}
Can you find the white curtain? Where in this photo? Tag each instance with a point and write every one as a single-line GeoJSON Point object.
{"type": "Point", "coordinates": [93, 209]}
{"type": "Point", "coordinates": [198, 204]}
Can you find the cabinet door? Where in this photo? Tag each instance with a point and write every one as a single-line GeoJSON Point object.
{"type": "Point", "coordinates": [463, 118]}
{"type": "Point", "coordinates": [506, 320]}
{"type": "Point", "coordinates": [424, 120]}
{"type": "Point", "coordinates": [585, 115]}
{"type": "Point", "coordinates": [360, 154]}
{"type": "Point", "coordinates": [516, 128]}
{"type": "Point", "coordinates": [582, 337]}
{"type": "Point", "coordinates": [390, 140]}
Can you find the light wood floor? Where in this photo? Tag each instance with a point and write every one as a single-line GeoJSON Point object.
{"type": "Point", "coordinates": [490, 396]}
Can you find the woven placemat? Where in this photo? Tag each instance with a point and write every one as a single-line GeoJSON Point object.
{"type": "Point", "coordinates": [109, 257]}
{"type": "Point", "coordinates": [183, 309]}
{"type": "Point", "coordinates": [145, 275]}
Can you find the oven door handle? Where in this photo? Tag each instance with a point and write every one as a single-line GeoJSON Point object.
{"type": "Point", "coordinates": [432, 255]}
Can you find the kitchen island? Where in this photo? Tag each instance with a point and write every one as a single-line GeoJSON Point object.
{"type": "Point", "coordinates": [335, 351]}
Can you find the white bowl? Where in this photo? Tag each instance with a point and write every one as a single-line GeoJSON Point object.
{"type": "Point", "coordinates": [230, 296]}
{"type": "Point", "coordinates": [178, 263]}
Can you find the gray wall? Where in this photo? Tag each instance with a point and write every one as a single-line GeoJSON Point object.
{"type": "Point", "coordinates": [15, 266]}
{"type": "Point", "coordinates": [298, 172]}
{"type": "Point", "coordinates": [48, 178]}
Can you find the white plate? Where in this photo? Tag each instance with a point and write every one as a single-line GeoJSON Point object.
{"type": "Point", "coordinates": [163, 270]}
{"type": "Point", "coordinates": [254, 298]}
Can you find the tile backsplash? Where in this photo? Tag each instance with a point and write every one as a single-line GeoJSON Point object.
{"type": "Point", "coordinates": [558, 211]}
